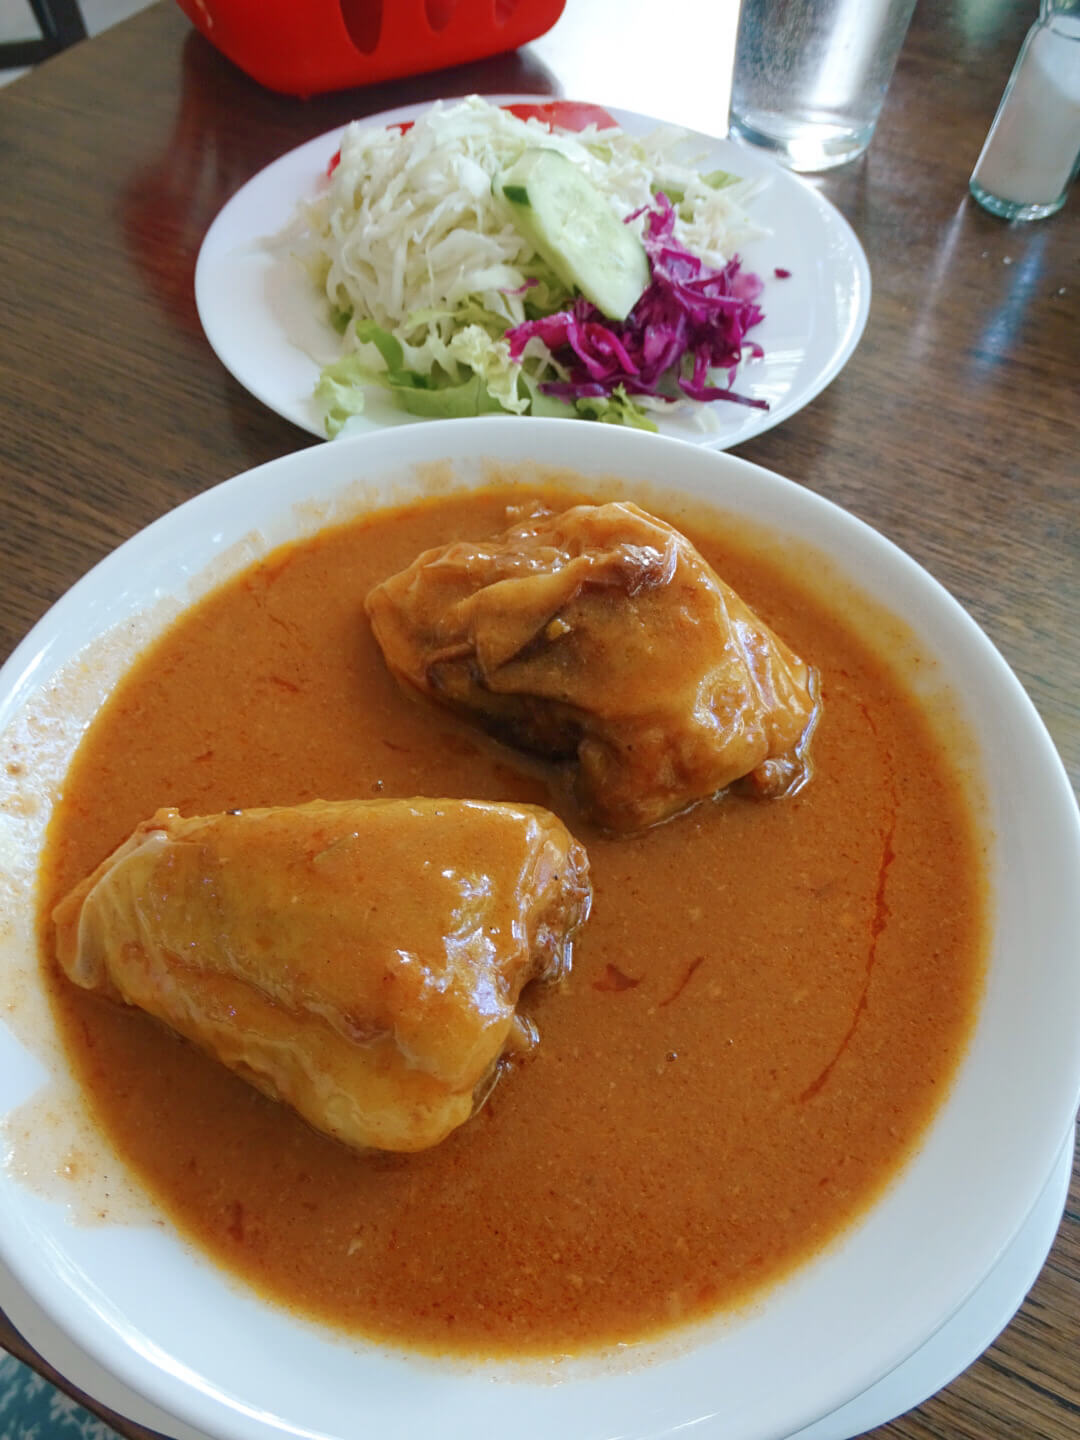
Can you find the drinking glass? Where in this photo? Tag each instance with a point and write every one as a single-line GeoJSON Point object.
{"type": "Point", "coordinates": [811, 75]}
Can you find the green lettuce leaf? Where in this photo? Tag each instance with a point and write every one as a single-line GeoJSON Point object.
{"type": "Point", "coordinates": [544, 405]}
{"type": "Point", "coordinates": [442, 402]}
{"type": "Point", "coordinates": [615, 409]}
{"type": "Point", "coordinates": [339, 393]}
{"type": "Point", "coordinates": [490, 360]}
{"type": "Point", "coordinates": [368, 333]}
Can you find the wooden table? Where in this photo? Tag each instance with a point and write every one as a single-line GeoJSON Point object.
{"type": "Point", "coordinates": [954, 429]}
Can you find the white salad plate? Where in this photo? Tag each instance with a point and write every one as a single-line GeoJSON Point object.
{"type": "Point", "coordinates": [271, 330]}
{"type": "Point", "coordinates": [162, 1321]}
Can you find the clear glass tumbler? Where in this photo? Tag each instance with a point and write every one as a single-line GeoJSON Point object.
{"type": "Point", "coordinates": [811, 75]}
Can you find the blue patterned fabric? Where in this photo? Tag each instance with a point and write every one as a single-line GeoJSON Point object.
{"type": "Point", "coordinates": [32, 1409]}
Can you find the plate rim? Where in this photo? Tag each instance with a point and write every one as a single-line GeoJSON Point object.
{"type": "Point", "coordinates": [58, 1349]}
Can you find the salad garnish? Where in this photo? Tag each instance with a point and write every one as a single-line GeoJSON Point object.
{"type": "Point", "coordinates": [456, 255]}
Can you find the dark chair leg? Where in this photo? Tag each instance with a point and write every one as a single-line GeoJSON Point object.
{"type": "Point", "coordinates": [60, 21]}
{"type": "Point", "coordinates": [61, 24]}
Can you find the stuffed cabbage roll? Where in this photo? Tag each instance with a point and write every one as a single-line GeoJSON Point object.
{"type": "Point", "coordinates": [601, 637]}
{"type": "Point", "coordinates": [360, 960]}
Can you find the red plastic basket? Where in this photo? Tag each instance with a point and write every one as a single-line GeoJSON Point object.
{"type": "Point", "coordinates": [305, 47]}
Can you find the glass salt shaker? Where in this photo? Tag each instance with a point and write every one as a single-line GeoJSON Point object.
{"type": "Point", "coordinates": [1032, 152]}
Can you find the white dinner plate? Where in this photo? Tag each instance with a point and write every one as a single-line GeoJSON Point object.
{"type": "Point", "coordinates": [168, 1324]}
{"type": "Point", "coordinates": [956, 1345]}
{"type": "Point", "coordinates": [264, 321]}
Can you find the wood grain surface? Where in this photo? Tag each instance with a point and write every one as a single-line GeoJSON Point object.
{"type": "Point", "coordinates": [954, 429]}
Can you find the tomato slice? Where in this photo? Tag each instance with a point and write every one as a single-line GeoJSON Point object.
{"type": "Point", "coordinates": [561, 114]}
{"type": "Point", "coordinates": [564, 114]}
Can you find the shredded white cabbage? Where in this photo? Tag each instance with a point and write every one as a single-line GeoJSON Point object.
{"type": "Point", "coordinates": [407, 233]}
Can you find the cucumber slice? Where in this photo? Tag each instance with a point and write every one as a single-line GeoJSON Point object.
{"type": "Point", "coordinates": [572, 226]}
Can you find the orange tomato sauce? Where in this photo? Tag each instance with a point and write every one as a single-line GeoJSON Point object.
{"type": "Point", "coordinates": [765, 1008]}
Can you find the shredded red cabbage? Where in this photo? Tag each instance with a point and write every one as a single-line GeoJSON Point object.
{"type": "Point", "coordinates": [689, 322]}
{"type": "Point", "coordinates": [520, 289]}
